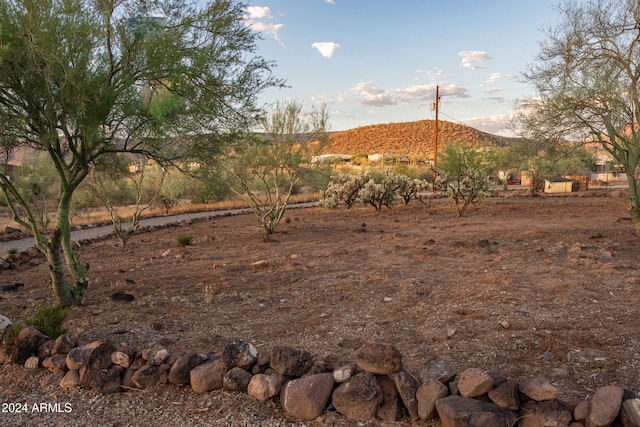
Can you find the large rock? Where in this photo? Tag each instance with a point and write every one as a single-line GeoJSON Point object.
{"type": "Point", "coordinates": [70, 380]}
{"type": "Point", "coordinates": [208, 376]}
{"type": "Point", "coordinates": [458, 411]}
{"type": "Point", "coordinates": [474, 382]}
{"type": "Point", "coordinates": [27, 344]}
{"type": "Point", "coordinates": [391, 408]}
{"type": "Point", "coordinates": [306, 398]}
{"type": "Point", "coordinates": [381, 359]}
{"type": "Point", "coordinates": [62, 345]}
{"type": "Point", "coordinates": [57, 363]}
{"type": "Point", "coordinates": [359, 397]}
{"type": "Point", "coordinates": [240, 354]}
{"type": "Point", "coordinates": [506, 396]}
{"type": "Point", "coordinates": [99, 359]}
{"type": "Point", "coordinates": [236, 379]}
{"type": "Point", "coordinates": [79, 355]}
{"type": "Point", "coordinates": [179, 373]}
{"type": "Point", "coordinates": [290, 361]}
{"type": "Point", "coordinates": [605, 406]}
{"type": "Point", "coordinates": [263, 387]}
{"type": "Point", "coordinates": [407, 387]}
{"type": "Point", "coordinates": [124, 356]}
{"type": "Point", "coordinates": [439, 369]}
{"type": "Point", "coordinates": [146, 377]}
{"type": "Point", "coordinates": [544, 413]}
{"type": "Point", "coordinates": [107, 381]}
{"type": "Point", "coordinates": [538, 388]}
{"type": "Point", "coordinates": [428, 393]}
{"type": "Point", "coordinates": [630, 413]}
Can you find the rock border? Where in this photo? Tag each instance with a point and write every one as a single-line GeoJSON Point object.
{"type": "Point", "coordinates": [373, 386]}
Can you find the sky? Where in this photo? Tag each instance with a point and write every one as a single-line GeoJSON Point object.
{"type": "Point", "coordinates": [379, 61]}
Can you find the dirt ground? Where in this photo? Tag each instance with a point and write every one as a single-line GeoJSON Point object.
{"type": "Point", "coordinates": [544, 285]}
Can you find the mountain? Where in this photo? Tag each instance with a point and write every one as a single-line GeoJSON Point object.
{"type": "Point", "coordinates": [406, 138]}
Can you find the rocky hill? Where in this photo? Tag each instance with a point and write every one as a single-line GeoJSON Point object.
{"type": "Point", "coordinates": [406, 138]}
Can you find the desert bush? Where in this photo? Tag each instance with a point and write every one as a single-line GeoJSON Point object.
{"type": "Point", "coordinates": [48, 320]}
{"type": "Point", "coordinates": [409, 188]}
{"type": "Point", "coordinates": [184, 239]}
{"type": "Point", "coordinates": [463, 175]}
{"type": "Point", "coordinates": [384, 193]}
{"type": "Point", "coordinates": [343, 188]}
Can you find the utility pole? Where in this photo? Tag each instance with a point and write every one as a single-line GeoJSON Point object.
{"type": "Point", "coordinates": [435, 106]}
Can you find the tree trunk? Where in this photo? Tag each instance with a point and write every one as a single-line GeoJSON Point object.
{"type": "Point", "coordinates": [634, 197]}
{"type": "Point", "coordinates": [59, 245]}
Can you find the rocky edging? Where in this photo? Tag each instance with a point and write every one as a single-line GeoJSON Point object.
{"type": "Point", "coordinates": [374, 386]}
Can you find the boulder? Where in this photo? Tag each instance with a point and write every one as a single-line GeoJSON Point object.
{"type": "Point", "coordinates": [605, 406]}
{"type": "Point", "coordinates": [474, 382]}
{"type": "Point", "coordinates": [290, 361]}
{"type": "Point", "coordinates": [146, 377]}
{"type": "Point", "coordinates": [506, 395]}
{"type": "Point", "coordinates": [538, 388]}
{"type": "Point", "coordinates": [106, 381]}
{"type": "Point", "coordinates": [630, 413]}
{"type": "Point", "coordinates": [359, 397]}
{"type": "Point", "coordinates": [428, 393]}
{"type": "Point", "coordinates": [179, 373]}
{"type": "Point", "coordinates": [208, 376]}
{"type": "Point", "coordinates": [407, 387]}
{"type": "Point", "coordinates": [240, 354]}
{"type": "Point", "coordinates": [381, 359]}
{"type": "Point", "coordinates": [236, 379]}
{"type": "Point", "coordinates": [263, 387]}
{"type": "Point", "coordinates": [439, 369]}
{"type": "Point", "coordinates": [306, 398]}
{"type": "Point", "coordinates": [544, 413]}
{"type": "Point", "coordinates": [27, 344]}
{"type": "Point", "coordinates": [456, 411]}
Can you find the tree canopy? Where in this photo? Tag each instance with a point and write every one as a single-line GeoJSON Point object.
{"type": "Point", "coordinates": [79, 79]}
{"type": "Point", "coordinates": [586, 77]}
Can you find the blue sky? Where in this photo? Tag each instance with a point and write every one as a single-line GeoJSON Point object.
{"type": "Point", "coordinates": [379, 61]}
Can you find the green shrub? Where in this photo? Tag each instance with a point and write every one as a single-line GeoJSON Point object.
{"type": "Point", "coordinates": [184, 239]}
{"type": "Point", "coordinates": [48, 320]}
{"type": "Point", "coordinates": [12, 251]}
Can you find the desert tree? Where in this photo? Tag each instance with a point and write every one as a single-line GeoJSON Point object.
{"type": "Point", "coordinates": [268, 169]}
{"type": "Point", "coordinates": [587, 78]}
{"type": "Point", "coordinates": [117, 175]}
{"type": "Point", "coordinates": [343, 188]}
{"type": "Point", "coordinates": [81, 79]}
{"type": "Point", "coordinates": [462, 174]}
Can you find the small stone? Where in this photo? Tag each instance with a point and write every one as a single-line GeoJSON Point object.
{"type": "Point", "coordinates": [106, 381]}
{"type": "Point", "coordinates": [57, 363]}
{"type": "Point", "coordinates": [179, 373]}
{"type": "Point", "coordinates": [32, 362]}
{"type": "Point", "coordinates": [343, 373]}
{"type": "Point", "coordinates": [123, 356]}
{"type": "Point", "coordinates": [259, 265]}
{"type": "Point", "coordinates": [505, 324]}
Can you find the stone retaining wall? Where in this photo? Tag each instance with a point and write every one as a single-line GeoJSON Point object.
{"type": "Point", "coordinates": [373, 386]}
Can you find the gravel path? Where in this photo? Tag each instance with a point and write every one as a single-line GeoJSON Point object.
{"type": "Point", "coordinates": [93, 233]}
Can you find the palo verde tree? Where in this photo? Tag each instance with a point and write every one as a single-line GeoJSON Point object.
{"type": "Point", "coordinates": [463, 173]}
{"type": "Point", "coordinates": [587, 75]}
{"type": "Point", "coordinates": [80, 79]}
{"type": "Point", "coordinates": [267, 170]}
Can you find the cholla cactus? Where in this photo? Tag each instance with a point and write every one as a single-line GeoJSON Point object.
{"type": "Point", "coordinates": [382, 194]}
{"type": "Point", "coordinates": [410, 188]}
{"type": "Point", "coordinates": [466, 187]}
{"type": "Point", "coordinates": [343, 188]}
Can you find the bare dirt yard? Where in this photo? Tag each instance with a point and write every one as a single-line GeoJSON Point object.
{"type": "Point", "coordinates": [543, 285]}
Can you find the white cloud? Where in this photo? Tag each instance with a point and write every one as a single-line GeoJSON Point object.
{"type": "Point", "coordinates": [498, 125]}
{"type": "Point", "coordinates": [330, 1]}
{"type": "Point", "coordinates": [326, 49]}
{"type": "Point", "coordinates": [369, 95]}
{"type": "Point", "coordinates": [471, 57]}
{"type": "Point", "coordinates": [493, 90]}
{"type": "Point", "coordinates": [258, 17]}
{"type": "Point", "coordinates": [494, 77]}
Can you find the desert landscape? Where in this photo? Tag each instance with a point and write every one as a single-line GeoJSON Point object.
{"type": "Point", "coordinates": [524, 285]}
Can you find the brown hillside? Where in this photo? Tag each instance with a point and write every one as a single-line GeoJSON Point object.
{"type": "Point", "coordinates": [405, 138]}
